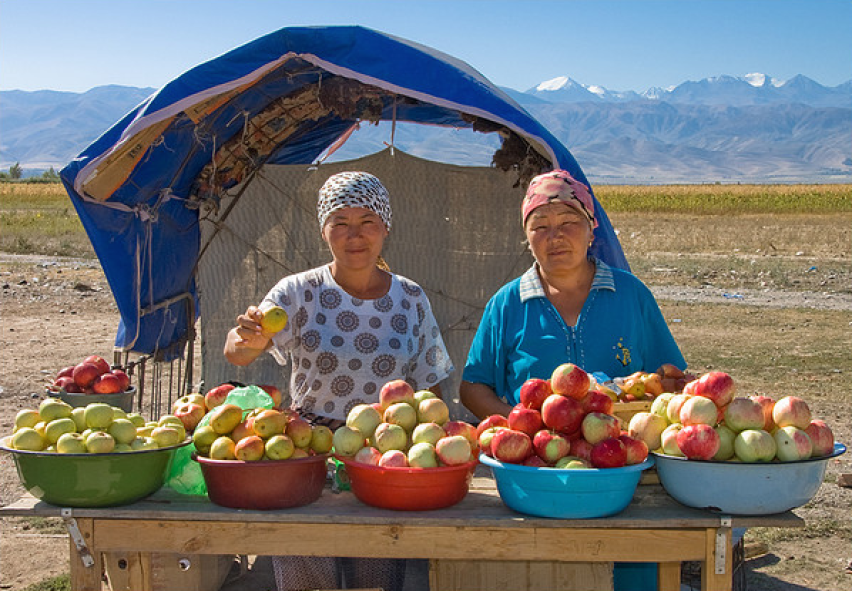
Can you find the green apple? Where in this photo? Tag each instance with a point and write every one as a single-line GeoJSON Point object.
{"type": "Point", "coordinates": [79, 416]}
{"type": "Point", "coordinates": [28, 439]}
{"type": "Point", "coordinates": [427, 433]}
{"type": "Point", "coordinates": [321, 439]}
{"type": "Point", "coordinates": [26, 417]}
{"type": "Point", "coordinates": [100, 442]}
{"type": "Point", "coordinates": [122, 447]}
{"type": "Point", "coordinates": [122, 430]}
{"type": "Point", "coordinates": [279, 447]}
{"type": "Point", "coordinates": [71, 443]}
{"type": "Point", "coordinates": [173, 422]}
{"type": "Point", "coordinates": [53, 408]}
{"type": "Point", "coordinates": [347, 440]}
{"type": "Point", "coordinates": [137, 419]}
{"type": "Point", "coordinates": [223, 448]}
{"type": "Point", "coordinates": [203, 437]}
{"type": "Point", "coordinates": [145, 431]}
{"type": "Point", "coordinates": [422, 395]}
{"type": "Point", "coordinates": [422, 455]}
{"type": "Point", "coordinates": [57, 427]}
{"type": "Point", "coordinates": [118, 413]}
{"type": "Point", "coordinates": [166, 436]}
{"type": "Point", "coordinates": [98, 415]}
{"type": "Point", "coordinates": [143, 443]}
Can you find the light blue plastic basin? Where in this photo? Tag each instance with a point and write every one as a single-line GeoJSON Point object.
{"type": "Point", "coordinates": [737, 488]}
{"type": "Point", "coordinates": [566, 494]}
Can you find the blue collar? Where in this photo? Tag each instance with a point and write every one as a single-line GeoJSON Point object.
{"type": "Point", "coordinates": [531, 283]}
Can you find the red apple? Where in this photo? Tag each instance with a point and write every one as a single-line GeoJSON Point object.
{"type": "Point", "coordinates": [550, 445]}
{"type": "Point", "coordinates": [561, 413]}
{"type": "Point", "coordinates": [511, 446]}
{"type": "Point", "coordinates": [791, 411]}
{"type": "Point", "coordinates": [66, 372]}
{"type": "Point", "coordinates": [582, 449]}
{"type": "Point", "coordinates": [491, 421]}
{"type": "Point", "coordinates": [300, 431]}
{"type": "Point", "coordinates": [744, 413]}
{"type": "Point", "coordinates": [598, 426]}
{"type": "Point", "coordinates": [608, 453]}
{"type": "Point", "coordinates": [464, 429]}
{"type": "Point", "coordinates": [596, 401]}
{"type": "Point", "coordinates": [570, 380]}
{"type": "Point", "coordinates": [393, 458]}
{"type": "Point", "coordinates": [368, 455]}
{"type": "Point", "coordinates": [522, 418]}
{"type": "Point", "coordinates": [85, 373]}
{"type": "Point", "coordinates": [66, 383]}
{"type": "Point", "coordinates": [792, 444]}
{"type": "Point", "coordinates": [485, 440]}
{"type": "Point", "coordinates": [396, 391]}
{"type": "Point", "coordinates": [715, 385]}
{"type": "Point", "coordinates": [100, 362]}
{"type": "Point", "coordinates": [190, 414]}
{"type": "Point", "coordinates": [216, 396]}
{"type": "Point", "coordinates": [123, 378]}
{"type": "Point", "coordinates": [636, 449]}
{"type": "Point", "coordinates": [822, 438]}
{"type": "Point", "coordinates": [535, 462]}
{"type": "Point", "coordinates": [250, 449]}
{"type": "Point", "coordinates": [767, 404]}
{"type": "Point", "coordinates": [698, 442]}
{"type": "Point", "coordinates": [107, 383]}
{"type": "Point", "coordinates": [453, 450]}
{"type": "Point", "coordinates": [274, 393]}
{"type": "Point", "coordinates": [699, 410]}
{"type": "Point", "coordinates": [534, 391]}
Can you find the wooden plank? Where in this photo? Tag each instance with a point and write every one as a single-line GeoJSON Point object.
{"type": "Point", "coordinates": [668, 576]}
{"type": "Point", "coordinates": [710, 579]}
{"type": "Point", "coordinates": [128, 571]}
{"type": "Point", "coordinates": [85, 578]}
{"type": "Point", "coordinates": [478, 575]}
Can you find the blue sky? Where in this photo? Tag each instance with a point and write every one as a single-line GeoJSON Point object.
{"type": "Point", "coordinates": [74, 45]}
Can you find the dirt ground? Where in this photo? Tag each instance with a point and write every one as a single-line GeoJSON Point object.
{"type": "Point", "coordinates": [54, 313]}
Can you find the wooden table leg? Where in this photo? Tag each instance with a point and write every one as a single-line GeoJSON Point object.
{"type": "Point", "coordinates": [668, 576]}
{"type": "Point", "coordinates": [85, 578]}
{"type": "Point", "coordinates": [710, 579]}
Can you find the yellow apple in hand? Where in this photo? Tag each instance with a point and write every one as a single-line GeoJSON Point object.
{"type": "Point", "coordinates": [274, 319]}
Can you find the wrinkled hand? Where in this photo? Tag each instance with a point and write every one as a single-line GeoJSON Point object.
{"type": "Point", "coordinates": [249, 331]}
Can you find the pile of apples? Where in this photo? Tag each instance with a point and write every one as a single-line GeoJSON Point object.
{"type": "Point", "coordinates": [405, 429]}
{"type": "Point", "coordinates": [193, 407]}
{"type": "Point", "coordinates": [57, 427]}
{"type": "Point", "coordinates": [561, 423]}
{"type": "Point", "coordinates": [706, 421]}
{"type": "Point", "coordinates": [642, 385]}
{"type": "Point", "coordinates": [93, 375]}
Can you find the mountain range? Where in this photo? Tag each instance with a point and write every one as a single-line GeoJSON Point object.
{"type": "Point", "coordinates": [722, 129]}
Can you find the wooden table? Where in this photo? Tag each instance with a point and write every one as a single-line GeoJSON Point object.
{"type": "Point", "coordinates": [654, 528]}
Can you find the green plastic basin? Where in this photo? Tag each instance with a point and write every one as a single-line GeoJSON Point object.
{"type": "Point", "coordinates": [92, 480]}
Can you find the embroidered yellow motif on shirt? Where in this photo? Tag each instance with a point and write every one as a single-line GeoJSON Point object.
{"type": "Point", "coordinates": [624, 353]}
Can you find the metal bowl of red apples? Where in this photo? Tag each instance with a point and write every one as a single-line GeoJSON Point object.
{"type": "Point", "coordinates": [265, 485]}
{"type": "Point", "coordinates": [408, 489]}
{"type": "Point", "coordinates": [740, 488]}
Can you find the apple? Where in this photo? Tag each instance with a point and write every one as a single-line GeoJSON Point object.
{"type": "Point", "coordinates": [389, 436]}
{"type": "Point", "coordinates": [550, 445]}
{"type": "Point", "coordinates": [273, 319]}
{"type": "Point", "coordinates": [143, 443]}
{"type": "Point", "coordinates": [661, 403]}
{"type": "Point", "coordinates": [300, 452]}
{"type": "Point", "coordinates": [422, 455]}
{"type": "Point", "coordinates": [453, 450]}
{"type": "Point", "coordinates": [300, 431]}
{"type": "Point", "coordinates": [791, 411]}
{"type": "Point", "coordinates": [57, 427]}
{"type": "Point", "coordinates": [744, 413]}
{"type": "Point", "coordinates": [85, 374]}
{"type": "Point", "coordinates": [190, 414]}
{"type": "Point", "coordinates": [484, 441]}
{"type": "Point", "coordinates": [53, 408]}
{"type": "Point", "coordinates": [100, 442]}
{"type": "Point", "coordinates": [673, 407]}
{"type": "Point", "coordinates": [597, 426]}
{"type": "Point", "coordinates": [278, 447]}
{"type": "Point", "coordinates": [123, 379]}
{"type": "Point", "coordinates": [99, 362]}
{"type": "Point", "coordinates": [427, 433]}
{"type": "Point", "coordinates": [582, 449]}
{"type": "Point", "coordinates": [822, 438]}
{"type": "Point", "coordinates": [166, 435]}
{"type": "Point", "coordinates": [193, 397]}
{"type": "Point", "coordinates": [71, 443]}
{"type": "Point", "coordinates": [715, 385]}
{"type": "Point", "coordinates": [347, 440]}
{"type": "Point", "coordinates": [511, 446]}
{"type": "Point", "coordinates": [65, 383]}
{"type": "Point", "coordinates": [173, 422]}
{"type": "Point", "coordinates": [269, 422]}
{"type": "Point", "coordinates": [65, 372]}
{"type": "Point", "coordinates": [422, 395]}
{"type": "Point", "coordinates": [648, 427]}
{"type": "Point", "coordinates": [699, 441]}
{"type": "Point", "coordinates": [28, 439]}
{"type": "Point", "coordinates": [653, 384]}
{"type": "Point", "coordinates": [754, 445]}
{"type": "Point", "coordinates": [225, 417]}
{"type": "Point", "coordinates": [668, 440]}
{"type": "Point", "coordinates": [223, 448]}
{"type": "Point", "coordinates": [726, 442]}
{"type": "Point", "coordinates": [321, 439]}
{"type": "Point", "coordinates": [489, 422]}
{"type": "Point", "coordinates": [562, 413]}
{"type": "Point", "coordinates": [396, 391]}
{"type": "Point", "coordinates": [27, 417]}
{"type": "Point", "coordinates": [365, 418]}
{"type": "Point", "coordinates": [570, 380]}
{"type": "Point", "coordinates": [250, 449]}
{"type": "Point", "coordinates": [107, 383]}
{"type": "Point", "coordinates": [608, 453]}
{"type": "Point", "coordinates": [274, 393]}
{"type": "Point", "coordinates": [766, 403]}
{"type": "Point", "coordinates": [122, 430]}
{"type": "Point", "coordinates": [596, 401]}
{"type": "Point", "coordinates": [533, 392]}
{"type": "Point", "coordinates": [203, 437]}
{"type": "Point", "coordinates": [393, 458]}
{"type": "Point", "coordinates": [464, 429]}
{"type": "Point", "coordinates": [535, 462]}
{"type": "Point", "coordinates": [368, 455]}
{"type": "Point", "coordinates": [432, 410]}
{"type": "Point", "coordinates": [402, 414]}
{"type": "Point", "coordinates": [573, 463]}
{"type": "Point", "coordinates": [523, 418]}
{"type": "Point", "coordinates": [242, 430]}
{"type": "Point", "coordinates": [698, 410]}
{"type": "Point", "coordinates": [637, 450]}
{"type": "Point", "coordinates": [792, 444]}
{"type": "Point", "coordinates": [137, 419]}
{"type": "Point", "coordinates": [216, 396]}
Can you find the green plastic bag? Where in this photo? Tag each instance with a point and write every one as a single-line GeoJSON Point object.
{"type": "Point", "coordinates": [185, 473]}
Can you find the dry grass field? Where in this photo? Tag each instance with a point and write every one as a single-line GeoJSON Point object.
{"type": "Point", "coordinates": [755, 281]}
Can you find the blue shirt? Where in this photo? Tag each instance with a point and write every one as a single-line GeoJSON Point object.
{"type": "Point", "coordinates": [620, 330]}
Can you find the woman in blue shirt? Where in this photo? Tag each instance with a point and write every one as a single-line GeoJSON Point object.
{"type": "Point", "coordinates": [567, 308]}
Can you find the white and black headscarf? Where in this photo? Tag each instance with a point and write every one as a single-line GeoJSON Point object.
{"type": "Point", "coordinates": [353, 189]}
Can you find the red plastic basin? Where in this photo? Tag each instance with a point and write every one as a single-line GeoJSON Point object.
{"type": "Point", "coordinates": [409, 489]}
{"type": "Point", "coordinates": [267, 484]}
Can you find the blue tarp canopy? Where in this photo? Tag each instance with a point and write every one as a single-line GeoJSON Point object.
{"type": "Point", "coordinates": [138, 188]}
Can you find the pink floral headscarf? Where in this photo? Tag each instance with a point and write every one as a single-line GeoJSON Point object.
{"type": "Point", "coordinates": [558, 185]}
